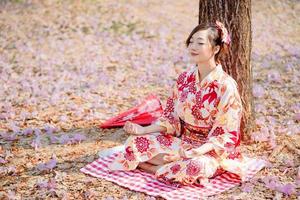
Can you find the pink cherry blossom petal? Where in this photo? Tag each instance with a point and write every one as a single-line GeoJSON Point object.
{"type": "Point", "coordinates": [258, 91]}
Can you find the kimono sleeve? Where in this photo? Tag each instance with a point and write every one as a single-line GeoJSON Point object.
{"type": "Point", "coordinates": [169, 119]}
{"type": "Point", "coordinates": [225, 133]}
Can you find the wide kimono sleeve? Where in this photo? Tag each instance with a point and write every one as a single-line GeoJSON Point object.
{"type": "Point", "coordinates": [169, 118]}
{"type": "Point", "coordinates": [225, 133]}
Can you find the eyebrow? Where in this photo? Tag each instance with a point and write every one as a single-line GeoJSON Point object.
{"type": "Point", "coordinates": [198, 38]}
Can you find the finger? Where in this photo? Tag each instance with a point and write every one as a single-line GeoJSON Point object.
{"type": "Point", "coordinates": [130, 127]}
{"type": "Point", "coordinates": [127, 123]}
{"type": "Point", "coordinates": [134, 128]}
{"type": "Point", "coordinates": [176, 157]}
{"type": "Point", "coordinates": [195, 152]}
{"type": "Point", "coordinates": [127, 128]}
{"type": "Point", "coordinates": [188, 146]}
{"type": "Point", "coordinates": [166, 158]}
{"type": "Point", "coordinates": [182, 153]}
{"type": "Point", "coordinates": [170, 158]}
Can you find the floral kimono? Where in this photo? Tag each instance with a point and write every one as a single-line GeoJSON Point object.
{"type": "Point", "coordinates": [197, 112]}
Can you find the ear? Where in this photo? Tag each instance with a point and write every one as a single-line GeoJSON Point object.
{"type": "Point", "coordinates": [216, 49]}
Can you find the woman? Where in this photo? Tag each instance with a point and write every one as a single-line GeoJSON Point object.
{"type": "Point", "coordinates": [198, 134]}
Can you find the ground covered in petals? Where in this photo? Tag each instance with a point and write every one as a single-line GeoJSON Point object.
{"type": "Point", "coordinates": [66, 66]}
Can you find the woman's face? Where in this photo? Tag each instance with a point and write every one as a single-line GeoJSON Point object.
{"type": "Point", "coordinates": [200, 49]}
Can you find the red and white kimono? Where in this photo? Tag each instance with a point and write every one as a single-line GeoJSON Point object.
{"type": "Point", "coordinates": [197, 112]}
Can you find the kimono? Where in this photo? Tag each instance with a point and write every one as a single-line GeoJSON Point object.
{"type": "Point", "coordinates": [196, 113]}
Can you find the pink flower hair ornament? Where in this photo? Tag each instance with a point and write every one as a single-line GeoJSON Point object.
{"type": "Point", "coordinates": [224, 33]}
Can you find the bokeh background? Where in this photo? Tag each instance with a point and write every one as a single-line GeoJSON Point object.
{"type": "Point", "coordinates": [66, 66]}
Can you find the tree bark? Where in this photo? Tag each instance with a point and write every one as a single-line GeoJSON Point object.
{"type": "Point", "coordinates": [236, 16]}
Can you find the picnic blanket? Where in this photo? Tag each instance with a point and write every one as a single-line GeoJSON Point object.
{"type": "Point", "coordinates": [141, 181]}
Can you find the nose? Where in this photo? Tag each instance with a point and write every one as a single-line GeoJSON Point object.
{"type": "Point", "coordinates": [192, 48]}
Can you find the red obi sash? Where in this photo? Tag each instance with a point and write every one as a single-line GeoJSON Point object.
{"type": "Point", "coordinates": [193, 135]}
{"type": "Point", "coordinates": [196, 136]}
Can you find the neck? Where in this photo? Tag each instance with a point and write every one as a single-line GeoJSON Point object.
{"type": "Point", "coordinates": [204, 68]}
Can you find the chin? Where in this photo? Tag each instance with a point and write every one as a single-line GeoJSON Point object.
{"type": "Point", "coordinates": [193, 60]}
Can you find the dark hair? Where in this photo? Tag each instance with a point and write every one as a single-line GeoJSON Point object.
{"type": "Point", "coordinates": [214, 37]}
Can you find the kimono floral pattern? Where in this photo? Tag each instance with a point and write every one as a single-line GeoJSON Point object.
{"type": "Point", "coordinates": [212, 104]}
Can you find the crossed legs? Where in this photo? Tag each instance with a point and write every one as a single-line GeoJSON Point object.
{"type": "Point", "coordinates": [152, 165]}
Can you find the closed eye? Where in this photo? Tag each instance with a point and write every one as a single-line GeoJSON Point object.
{"type": "Point", "coordinates": [198, 42]}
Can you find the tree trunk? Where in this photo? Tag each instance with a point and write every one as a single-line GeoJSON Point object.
{"type": "Point", "coordinates": [236, 16]}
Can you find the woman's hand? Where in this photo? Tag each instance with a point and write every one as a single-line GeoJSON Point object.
{"type": "Point", "coordinates": [172, 157]}
{"type": "Point", "coordinates": [192, 153]}
{"type": "Point", "coordinates": [134, 129]}
{"type": "Point", "coordinates": [188, 153]}
{"type": "Point", "coordinates": [184, 150]}
{"type": "Point", "coordinates": [182, 153]}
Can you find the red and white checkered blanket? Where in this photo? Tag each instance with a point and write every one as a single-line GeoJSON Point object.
{"type": "Point", "coordinates": [140, 181]}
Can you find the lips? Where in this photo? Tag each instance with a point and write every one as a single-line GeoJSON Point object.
{"type": "Point", "coordinates": [194, 54]}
